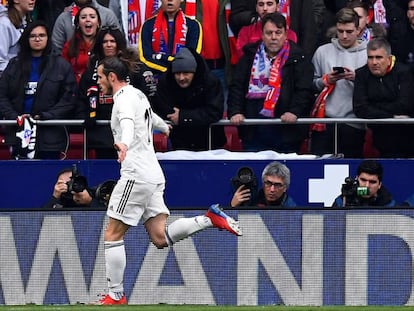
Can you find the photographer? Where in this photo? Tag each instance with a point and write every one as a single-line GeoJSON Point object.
{"type": "Point", "coordinates": [275, 180]}
{"type": "Point", "coordinates": [366, 189]}
{"type": "Point", "coordinates": [64, 197]}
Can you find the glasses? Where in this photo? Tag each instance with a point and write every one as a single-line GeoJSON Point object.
{"type": "Point", "coordinates": [39, 36]}
{"type": "Point", "coordinates": [269, 184]}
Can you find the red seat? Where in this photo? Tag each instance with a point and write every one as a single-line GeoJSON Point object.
{"type": "Point", "coordinates": [369, 150]}
{"type": "Point", "coordinates": [234, 142]}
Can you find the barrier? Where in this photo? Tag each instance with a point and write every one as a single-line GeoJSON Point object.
{"type": "Point", "coordinates": [199, 183]}
{"type": "Point", "coordinates": [296, 257]}
{"type": "Point", "coordinates": [232, 141]}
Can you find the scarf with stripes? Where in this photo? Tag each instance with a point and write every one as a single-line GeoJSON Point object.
{"type": "Point", "coordinates": [160, 33]}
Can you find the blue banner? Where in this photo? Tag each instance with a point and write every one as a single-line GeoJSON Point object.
{"type": "Point", "coordinates": [197, 183]}
{"type": "Point", "coordinates": [295, 257]}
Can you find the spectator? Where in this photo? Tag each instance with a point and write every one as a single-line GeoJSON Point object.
{"type": "Point", "coordinates": [139, 191]}
{"type": "Point", "coordinates": [40, 85]}
{"type": "Point", "coordinates": [404, 49]}
{"type": "Point", "coordinates": [49, 10]}
{"type": "Point", "coordinates": [13, 20]}
{"type": "Point", "coordinates": [361, 8]}
{"type": "Point", "coordinates": [369, 182]}
{"type": "Point", "coordinates": [165, 33]}
{"type": "Point", "coordinates": [389, 13]}
{"type": "Point", "coordinates": [276, 182]}
{"type": "Point", "coordinates": [335, 98]}
{"type": "Point", "coordinates": [65, 196]}
{"type": "Point", "coordinates": [296, 12]}
{"type": "Point", "coordinates": [191, 97]}
{"type": "Point", "coordinates": [384, 89]}
{"type": "Point", "coordinates": [95, 105]}
{"type": "Point", "coordinates": [132, 14]}
{"type": "Point", "coordinates": [273, 79]}
{"type": "Point", "coordinates": [77, 50]}
{"type": "Point", "coordinates": [64, 28]}
{"type": "Point", "coordinates": [219, 42]}
{"type": "Point", "coordinates": [253, 32]}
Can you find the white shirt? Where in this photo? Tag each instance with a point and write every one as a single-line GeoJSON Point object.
{"type": "Point", "coordinates": [140, 163]}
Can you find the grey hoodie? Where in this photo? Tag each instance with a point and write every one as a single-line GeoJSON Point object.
{"type": "Point", "coordinates": [9, 38]}
{"type": "Point", "coordinates": [339, 102]}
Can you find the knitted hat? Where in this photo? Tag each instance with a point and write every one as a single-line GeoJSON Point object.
{"type": "Point", "coordinates": [184, 61]}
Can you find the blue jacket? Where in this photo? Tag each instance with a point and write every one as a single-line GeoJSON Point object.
{"type": "Point", "coordinates": [149, 57]}
{"type": "Point", "coordinates": [383, 199]}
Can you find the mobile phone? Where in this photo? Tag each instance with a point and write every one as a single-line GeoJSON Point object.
{"type": "Point", "coordinates": [338, 69]}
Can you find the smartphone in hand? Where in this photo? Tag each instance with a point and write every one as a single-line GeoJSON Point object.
{"type": "Point", "coordinates": [338, 70]}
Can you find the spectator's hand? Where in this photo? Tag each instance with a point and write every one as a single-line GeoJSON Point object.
{"type": "Point", "coordinates": [82, 198]}
{"type": "Point", "coordinates": [122, 150]}
{"type": "Point", "coordinates": [349, 74]}
{"type": "Point", "coordinates": [237, 119]}
{"type": "Point", "coordinates": [175, 116]}
{"type": "Point", "coordinates": [288, 117]}
{"type": "Point", "coordinates": [60, 187]}
{"type": "Point", "coordinates": [241, 195]}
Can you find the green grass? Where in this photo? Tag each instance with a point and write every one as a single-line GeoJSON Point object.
{"type": "Point", "coordinates": [198, 308]}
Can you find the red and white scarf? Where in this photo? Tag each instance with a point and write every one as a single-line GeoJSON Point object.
{"type": "Point", "coordinates": [284, 9]}
{"type": "Point", "coordinates": [377, 13]}
{"type": "Point", "coordinates": [318, 110]}
{"type": "Point", "coordinates": [160, 33]}
{"type": "Point", "coordinates": [272, 87]}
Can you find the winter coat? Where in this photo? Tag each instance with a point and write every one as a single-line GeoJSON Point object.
{"type": "Point", "coordinates": [201, 104]}
{"type": "Point", "coordinates": [54, 100]}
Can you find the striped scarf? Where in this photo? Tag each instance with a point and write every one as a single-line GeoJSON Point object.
{"type": "Point", "coordinates": [284, 9]}
{"type": "Point", "coordinates": [270, 89]}
{"type": "Point", "coordinates": [318, 110]}
{"type": "Point", "coordinates": [377, 13]}
{"type": "Point", "coordinates": [160, 33]}
{"type": "Point", "coordinates": [275, 81]}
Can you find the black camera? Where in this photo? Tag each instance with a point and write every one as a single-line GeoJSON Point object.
{"type": "Point", "coordinates": [77, 182]}
{"type": "Point", "coordinates": [246, 177]}
{"type": "Point", "coordinates": [104, 190]}
{"type": "Point", "coordinates": [352, 192]}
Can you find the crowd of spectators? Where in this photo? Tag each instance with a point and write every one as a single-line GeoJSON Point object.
{"type": "Point", "coordinates": [271, 58]}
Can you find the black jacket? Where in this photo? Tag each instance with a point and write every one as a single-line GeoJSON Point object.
{"type": "Point", "coordinates": [296, 95]}
{"type": "Point", "coordinates": [383, 97]}
{"type": "Point", "coordinates": [54, 99]}
{"type": "Point", "coordinates": [302, 20]}
{"type": "Point", "coordinates": [201, 104]}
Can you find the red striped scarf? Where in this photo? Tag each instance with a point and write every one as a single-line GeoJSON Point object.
{"type": "Point", "coordinates": [284, 9]}
{"type": "Point", "coordinates": [275, 81]}
{"type": "Point", "coordinates": [318, 110]}
{"type": "Point", "coordinates": [160, 33]}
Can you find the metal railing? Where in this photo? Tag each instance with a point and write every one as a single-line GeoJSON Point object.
{"type": "Point", "coordinates": [335, 121]}
{"type": "Point", "coordinates": [246, 122]}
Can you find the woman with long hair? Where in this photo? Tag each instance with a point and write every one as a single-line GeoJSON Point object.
{"type": "Point", "coordinates": [77, 50]}
{"type": "Point", "coordinates": [110, 41]}
{"type": "Point", "coordinates": [37, 85]}
{"type": "Point", "coordinates": [13, 20]}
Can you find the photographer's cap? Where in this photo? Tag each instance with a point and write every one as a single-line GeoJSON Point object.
{"type": "Point", "coordinates": [184, 61]}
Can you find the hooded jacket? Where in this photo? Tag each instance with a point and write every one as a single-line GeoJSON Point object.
{"type": "Point", "coordinates": [201, 104]}
{"type": "Point", "coordinates": [10, 36]}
